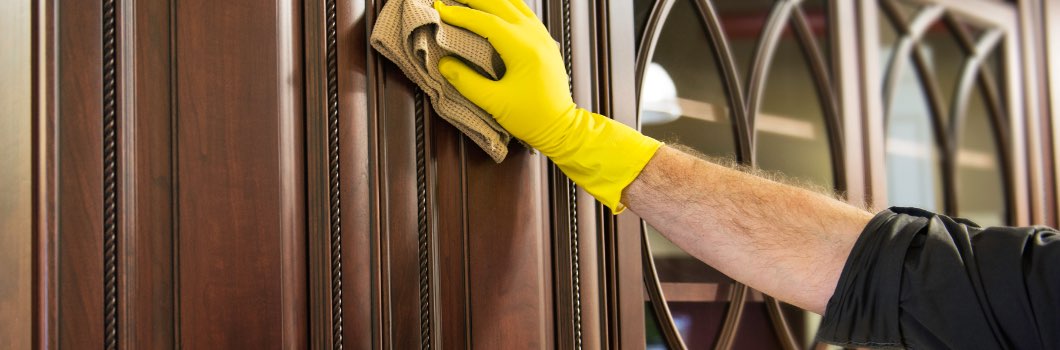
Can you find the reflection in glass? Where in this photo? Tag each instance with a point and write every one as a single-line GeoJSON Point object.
{"type": "Point", "coordinates": [980, 191]}
{"type": "Point", "coordinates": [790, 125]}
{"type": "Point", "coordinates": [641, 12]}
{"type": "Point", "coordinates": [743, 21]}
{"type": "Point", "coordinates": [817, 15]}
{"type": "Point", "coordinates": [945, 59]}
{"type": "Point", "coordinates": [914, 175]}
{"type": "Point", "coordinates": [888, 40]}
{"type": "Point", "coordinates": [682, 99]}
{"type": "Point", "coordinates": [653, 335]}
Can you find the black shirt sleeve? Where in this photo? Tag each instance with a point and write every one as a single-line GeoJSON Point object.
{"type": "Point", "coordinates": [919, 280]}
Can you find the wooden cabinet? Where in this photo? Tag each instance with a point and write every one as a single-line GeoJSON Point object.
{"type": "Point", "coordinates": [250, 174]}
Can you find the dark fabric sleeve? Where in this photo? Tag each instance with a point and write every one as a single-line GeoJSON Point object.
{"type": "Point", "coordinates": [919, 280]}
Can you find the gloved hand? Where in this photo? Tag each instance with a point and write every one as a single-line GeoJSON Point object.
{"type": "Point", "coordinates": [533, 102]}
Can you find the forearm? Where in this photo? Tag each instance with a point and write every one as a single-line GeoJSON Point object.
{"type": "Point", "coordinates": [788, 242]}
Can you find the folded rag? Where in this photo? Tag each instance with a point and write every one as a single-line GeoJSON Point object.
{"type": "Point", "coordinates": [411, 34]}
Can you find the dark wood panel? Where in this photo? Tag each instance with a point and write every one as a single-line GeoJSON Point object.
{"type": "Point", "coordinates": [353, 172]}
{"type": "Point", "coordinates": [452, 236]}
{"type": "Point", "coordinates": [507, 251]}
{"type": "Point", "coordinates": [80, 173]}
{"type": "Point", "coordinates": [397, 182]}
{"type": "Point", "coordinates": [146, 204]}
{"type": "Point", "coordinates": [241, 236]}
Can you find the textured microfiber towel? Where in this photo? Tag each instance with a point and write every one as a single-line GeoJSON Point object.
{"type": "Point", "coordinates": [411, 34]}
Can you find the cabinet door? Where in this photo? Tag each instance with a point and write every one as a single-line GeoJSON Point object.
{"type": "Point", "coordinates": [172, 174]}
{"type": "Point", "coordinates": [953, 110]}
{"type": "Point", "coordinates": [417, 238]}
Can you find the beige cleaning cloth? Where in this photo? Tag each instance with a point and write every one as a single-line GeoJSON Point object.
{"type": "Point", "coordinates": [410, 33]}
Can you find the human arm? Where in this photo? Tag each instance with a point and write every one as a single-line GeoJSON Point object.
{"type": "Point", "coordinates": [786, 241]}
{"type": "Point", "coordinates": [533, 102]}
{"type": "Point", "coordinates": [910, 278]}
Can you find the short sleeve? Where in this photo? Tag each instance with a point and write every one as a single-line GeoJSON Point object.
{"type": "Point", "coordinates": [915, 279]}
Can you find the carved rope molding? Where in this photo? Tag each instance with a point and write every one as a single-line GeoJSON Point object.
{"type": "Point", "coordinates": [422, 214]}
{"type": "Point", "coordinates": [572, 193]}
{"type": "Point", "coordinates": [110, 176]}
{"type": "Point", "coordinates": [334, 193]}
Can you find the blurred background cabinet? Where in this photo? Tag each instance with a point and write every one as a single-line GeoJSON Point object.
{"type": "Point", "coordinates": [250, 174]}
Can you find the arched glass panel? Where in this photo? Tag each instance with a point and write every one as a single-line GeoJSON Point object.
{"type": "Point", "coordinates": [683, 101]}
{"type": "Point", "coordinates": [945, 59]}
{"type": "Point", "coordinates": [980, 186]}
{"type": "Point", "coordinates": [888, 41]}
{"type": "Point", "coordinates": [682, 98]}
{"type": "Point", "coordinates": [743, 22]}
{"type": "Point", "coordinates": [791, 134]}
{"type": "Point", "coordinates": [914, 173]}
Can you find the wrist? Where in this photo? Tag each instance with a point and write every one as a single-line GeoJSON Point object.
{"type": "Point", "coordinates": [602, 156]}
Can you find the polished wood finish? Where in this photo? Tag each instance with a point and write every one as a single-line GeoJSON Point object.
{"type": "Point", "coordinates": [279, 184]}
{"type": "Point", "coordinates": [353, 72]}
{"type": "Point", "coordinates": [16, 141]}
{"type": "Point", "coordinates": [147, 201]}
{"type": "Point", "coordinates": [80, 174]}
{"type": "Point", "coordinates": [619, 236]}
{"type": "Point", "coordinates": [241, 234]}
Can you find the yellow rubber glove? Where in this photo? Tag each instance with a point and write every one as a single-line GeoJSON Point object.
{"type": "Point", "coordinates": [533, 102]}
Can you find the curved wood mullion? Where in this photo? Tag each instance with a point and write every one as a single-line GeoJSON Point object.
{"type": "Point", "coordinates": [727, 336]}
{"type": "Point", "coordinates": [964, 39]}
{"type": "Point", "coordinates": [939, 125]}
{"type": "Point", "coordinates": [763, 61]}
{"type": "Point", "coordinates": [892, 73]}
{"type": "Point", "coordinates": [939, 110]}
{"type": "Point", "coordinates": [729, 72]}
{"type": "Point", "coordinates": [911, 33]}
{"type": "Point", "coordinates": [826, 93]}
{"type": "Point", "coordinates": [656, 20]}
{"type": "Point", "coordinates": [658, 299]}
{"type": "Point", "coordinates": [976, 72]}
{"type": "Point", "coordinates": [780, 324]}
{"type": "Point", "coordinates": [998, 119]}
{"type": "Point", "coordinates": [970, 75]}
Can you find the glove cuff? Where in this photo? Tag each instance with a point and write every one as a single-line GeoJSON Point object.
{"type": "Point", "coordinates": [603, 156]}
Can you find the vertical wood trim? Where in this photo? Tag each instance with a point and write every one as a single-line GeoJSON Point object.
{"type": "Point", "coordinates": [1016, 94]}
{"type": "Point", "coordinates": [564, 203]}
{"type": "Point", "coordinates": [145, 257]}
{"type": "Point", "coordinates": [353, 91]}
{"type": "Point", "coordinates": [290, 116]}
{"type": "Point", "coordinates": [334, 174]}
{"type": "Point", "coordinates": [620, 244]}
{"type": "Point", "coordinates": [110, 174]}
{"type": "Point", "coordinates": [1051, 20]}
{"type": "Point", "coordinates": [45, 327]}
{"type": "Point", "coordinates": [380, 315]}
{"type": "Point", "coordinates": [1031, 46]}
{"type": "Point", "coordinates": [872, 97]}
{"type": "Point", "coordinates": [850, 82]}
{"type": "Point", "coordinates": [423, 220]}
{"type": "Point", "coordinates": [323, 176]}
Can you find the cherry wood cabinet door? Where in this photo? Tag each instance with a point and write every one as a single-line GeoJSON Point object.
{"type": "Point", "coordinates": [250, 174]}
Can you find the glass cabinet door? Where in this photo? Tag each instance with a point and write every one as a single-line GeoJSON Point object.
{"type": "Point", "coordinates": [744, 82]}
{"type": "Point", "coordinates": [944, 111]}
